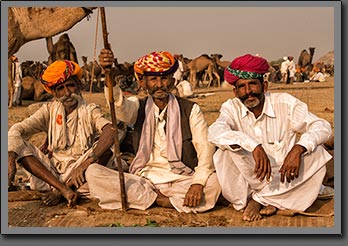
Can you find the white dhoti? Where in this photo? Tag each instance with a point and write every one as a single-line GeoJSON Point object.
{"type": "Point", "coordinates": [235, 171]}
{"type": "Point", "coordinates": [104, 185]}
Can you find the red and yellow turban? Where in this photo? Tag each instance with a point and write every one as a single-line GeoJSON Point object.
{"type": "Point", "coordinates": [58, 72]}
{"type": "Point", "coordinates": [160, 63]}
{"type": "Point", "coordinates": [246, 67]}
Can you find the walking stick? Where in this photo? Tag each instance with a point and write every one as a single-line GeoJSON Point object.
{"type": "Point", "coordinates": [113, 114]}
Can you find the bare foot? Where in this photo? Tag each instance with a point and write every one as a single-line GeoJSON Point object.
{"type": "Point", "coordinates": [268, 210]}
{"type": "Point", "coordinates": [163, 200]}
{"type": "Point", "coordinates": [252, 211]}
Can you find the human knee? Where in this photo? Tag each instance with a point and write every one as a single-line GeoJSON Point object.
{"type": "Point", "coordinates": [92, 170]}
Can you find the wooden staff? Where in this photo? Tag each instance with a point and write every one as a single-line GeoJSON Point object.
{"type": "Point", "coordinates": [113, 113]}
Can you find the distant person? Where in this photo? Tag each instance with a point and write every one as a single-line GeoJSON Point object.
{"type": "Point", "coordinates": [173, 165]}
{"type": "Point", "coordinates": [318, 76]}
{"type": "Point", "coordinates": [284, 69]}
{"type": "Point", "coordinates": [179, 73]}
{"type": "Point", "coordinates": [261, 163]}
{"type": "Point", "coordinates": [17, 81]}
{"type": "Point", "coordinates": [184, 89]}
{"type": "Point", "coordinates": [292, 69]}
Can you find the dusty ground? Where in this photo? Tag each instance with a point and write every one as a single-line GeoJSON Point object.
{"type": "Point", "coordinates": [26, 210]}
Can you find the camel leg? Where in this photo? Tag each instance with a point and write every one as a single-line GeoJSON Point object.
{"type": "Point", "coordinates": [210, 79]}
{"type": "Point", "coordinates": [218, 78]}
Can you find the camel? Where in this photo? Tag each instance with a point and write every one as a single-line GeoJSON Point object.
{"type": "Point", "coordinates": [305, 61]}
{"type": "Point", "coordinates": [91, 73]}
{"type": "Point", "coordinates": [220, 63]}
{"type": "Point", "coordinates": [305, 58]}
{"type": "Point", "coordinates": [31, 23]}
{"type": "Point", "coordinates": [32, 90]}
{"type": "Point", "coordinates": [199, 64]}
{"type": "Point", "coordinates": [26, 24]}
{"type": "Point", "coordinates": [63, 49]}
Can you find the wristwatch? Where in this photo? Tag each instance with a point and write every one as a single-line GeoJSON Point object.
{"type": "Point", "coordinates": [93, 156]}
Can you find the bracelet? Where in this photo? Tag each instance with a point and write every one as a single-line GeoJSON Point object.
{"type": "Point", "coordinates": [93, 156]}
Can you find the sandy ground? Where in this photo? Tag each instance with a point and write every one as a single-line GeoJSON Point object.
{"type": "Point", "coordinates": [25, 208]}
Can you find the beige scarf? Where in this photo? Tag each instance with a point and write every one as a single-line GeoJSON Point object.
{"type": "Point", "coordinates": [81, 122]}
{"type": "Point", "coordinates": [173, 136]}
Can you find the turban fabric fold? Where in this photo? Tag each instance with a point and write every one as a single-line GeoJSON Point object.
{"type": "Point", "coordinates": [58, 72]}
{"type": "Point", "coordinates": [160, 63]}
{"type": "Point", "coordinates": [245, 67]}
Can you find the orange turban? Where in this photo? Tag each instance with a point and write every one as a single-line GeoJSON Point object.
{"type": "Point", "coordinates": [58, 72]}
{"type": "Point", "coordinates": [160, 63]}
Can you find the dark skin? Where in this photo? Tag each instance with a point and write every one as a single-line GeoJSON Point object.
{"type": "Point", "coordinates": [65, 93]}
{"type": "Point", "coordinates": [251, 93]}
{"type": "Point", "coordinates": [159, 88]}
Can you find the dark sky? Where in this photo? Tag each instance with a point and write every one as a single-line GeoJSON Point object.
{"type": "Point", "coordinates": [272, 32]}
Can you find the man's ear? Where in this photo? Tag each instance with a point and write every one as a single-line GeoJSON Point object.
{"type": "Point", "coordinates": [265, 86]}
{"type": "Point", "coordinates": [234, 91]}
{"type": "Point", "coordinates": [142, 82]}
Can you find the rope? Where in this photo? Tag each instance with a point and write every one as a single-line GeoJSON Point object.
{"type": "Point", "coordinates": [95, 48]}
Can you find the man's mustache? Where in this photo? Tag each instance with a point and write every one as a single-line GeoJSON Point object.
{"type": "Point", "coordinates": [253, 94]}
{"type": "Point", "coordinates": [73, 95]}
{"type": "Point", "coordinates": [165, 89]}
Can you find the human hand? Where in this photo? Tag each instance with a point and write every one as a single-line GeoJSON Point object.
{"type": "Point", "coordinates": [12, 169]}
{"type": "Point", "coordinates": [106, 58]}
{"type": "Point", "coordinates": [291, 166]}
{"type": "Point", "coordinates": [78, 174]}
{"type": "Point", "coordinates": [262, 164]}
{"type": "Point", "coordinates": [194, 195]}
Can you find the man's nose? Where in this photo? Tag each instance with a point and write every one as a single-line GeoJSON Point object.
{"type": "Point", "coordinates": [247, 89]}
{"type": "Point", "coordinates": [159, 82]}
{"type": "Point", "coordinates": [66, 91]}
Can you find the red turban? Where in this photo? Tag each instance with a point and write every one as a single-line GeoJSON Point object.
{"type": "Point", "coordinates": [155, 64]}
{"type": "Point", "coordinates": [245, 67]}
{"type": "Point", "coordinates": [58, 72]}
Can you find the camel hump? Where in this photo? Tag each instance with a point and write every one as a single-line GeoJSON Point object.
{"type": "Point", "coordinates": [206, 56]}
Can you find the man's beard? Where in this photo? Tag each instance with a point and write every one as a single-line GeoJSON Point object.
{"type": "Point", "coordinates": [257, 97]}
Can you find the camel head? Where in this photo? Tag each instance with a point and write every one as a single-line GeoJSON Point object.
{"type": "Point", "coordinates": [219, 56]}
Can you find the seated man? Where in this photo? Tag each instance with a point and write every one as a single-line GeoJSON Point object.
{"type": "Point", "coordinates": [173, 165]}
{"type": "Point", "coordinates": [72, 127]}
{"type": "Point", "coordinates": [318, 77]}
{"type": "Point", "coordinates": [260, 164]}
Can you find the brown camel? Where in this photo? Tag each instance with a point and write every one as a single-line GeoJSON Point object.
{"type": "Point", "coordinates": [63, 49]}
{"type": "Point", "coordinates": [32, 90]}
{"type": "Point", "coordinates": [199, 64]}
{"type": "Point", "coordinates": [220, 63]}
{"type": "Point", "coordinates": [305, 58]}
{"type": "Point", "coordinates": [31, 23]}
{"type": "Point", "coordinates": [305, 62]}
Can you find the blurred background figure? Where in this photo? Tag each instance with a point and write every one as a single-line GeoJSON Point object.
{"type": "Point", "coordinates": [17, 81]}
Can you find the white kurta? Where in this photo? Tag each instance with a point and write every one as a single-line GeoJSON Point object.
{"type": "Point", "coordinates": [156, 174]}
{"type": "Point", "coordinates": [283, 117]}
{"type": "Point", "coordinates": [64, 158]}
